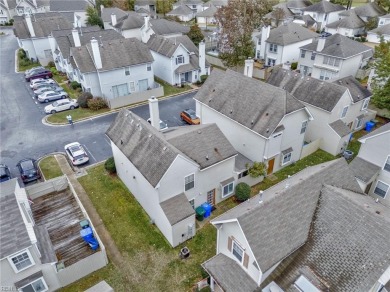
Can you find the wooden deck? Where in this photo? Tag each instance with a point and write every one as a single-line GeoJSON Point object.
{"type": "Point", "coordinates": [61, 215]}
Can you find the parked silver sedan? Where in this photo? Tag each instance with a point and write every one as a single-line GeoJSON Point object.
{"type": "Point", "coordinates": [50, 87]}
{"type": "Point", "coordinates": [61, 105]}
{"type": "Point", "coordinates": [52, 95]}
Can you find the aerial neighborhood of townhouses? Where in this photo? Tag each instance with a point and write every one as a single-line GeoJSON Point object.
{"type": "Point", "coordinates": [194, 145]}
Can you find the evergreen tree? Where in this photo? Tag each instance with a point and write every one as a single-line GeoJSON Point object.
{"type": "Point", "coordinates": [381, 80]}
{"type": "Point", "coordinates": [195, 34]}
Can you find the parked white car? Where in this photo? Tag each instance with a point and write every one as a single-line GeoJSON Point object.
{"type": "Point", "coordinates": [40, 81]}
{"type": "Point", "coordinates": [76, 153]}
{"type": "Point", "coordinates": [61, 105]}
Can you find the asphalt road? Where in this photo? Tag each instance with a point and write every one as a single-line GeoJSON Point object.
{"type": "Point", "coordinates": [24, 135]}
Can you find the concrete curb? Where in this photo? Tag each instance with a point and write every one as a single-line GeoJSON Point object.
{"type": "Point", "coordinates": [47, 123]}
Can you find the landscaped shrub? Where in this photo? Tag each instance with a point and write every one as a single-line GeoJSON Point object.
{"type": "Point", "coordinates": [51, 64]}
{"type": "Point", "coordinates": [203, 78]}
{"type": "Point", "coordinates": [294, 65]}
{"type": "Point", "coordinates": [82, 100]}
{"type": "Point", "coordinates": [54, 70]}
{"type": "Point", "coordinates": [22, 54]}
{"type": "Point", "coordinates": [109, 165]}
{"type": "Point", "coordinates": [75, 85]}
{"type": "Point", "coordinates": [97, 103]}
{"type": "Point", "coordinates": [243, 192]}
{"type": "Point", "coordinates": [25, 62]}
{"type": "Point", "coordinates": [257, 169]}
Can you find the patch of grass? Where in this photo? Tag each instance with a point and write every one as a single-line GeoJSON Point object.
{"type": "Point", "coordinates": [77, 114]}
{"type": "Point", "coordinates": [169, 89]}
{"type": "Point", "coordinates": [50, 168]}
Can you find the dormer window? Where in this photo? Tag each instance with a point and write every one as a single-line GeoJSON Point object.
{"type": "Point", "coordinates": [179, 59]}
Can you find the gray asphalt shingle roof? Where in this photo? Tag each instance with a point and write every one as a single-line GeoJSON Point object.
{"type": "Point", "coordinates": [324, 7]}
{"type": "Point", "coordinates": [382, 30]}
{"type": "Point", "coordinates": [347, 248]}
{"type": "Point", "coordinates": [381, 130]}
{"type": "Point", "coordinates": [357, 90]}
{"type": "Point", "coordinates": [43, 24]}
{"type": "Point", "coordinates": [340, 46]}
{"type": "Point", "coordinates": [106, 13]}
{"type": "Point", "coordinates": [281, 224]}
{"type": "Point", "coordinates": [117, 53]}
{"type": "Point", "coordinates": [229, 274]}
{"type": "Point", "coordinates": [351, 22]}
{"type": "Point", "coordinates": [368, 10]}
{"type": "Point", "coordinates": [177, 208]}
{"type": "Point", "coordinates": [13, 231]}
{"type": "Point", "coordinates": [298, 3]}
{"type": "Point", "coordinates": [181, 10]}
{"type": "Point", "coordinates": [209, 12]}
{"type": "Point", "coordinates": [340, 128]}
{"type": "Point", "coordinates": [286, 12]}
{"type": "Point", "coordinates": [363, 169]}
{"type": "Point", "coordinates": [289, 34]}
{"type": "Point", "coordinates": [131, 21]}
{"type": "Point", "coordinates": [68, 5]}
{"type": "Point", "coordinates": [315, 92]}
{"type": "Point", "coordinates": [256, 105]}
{"type": "Point", "coordinates": [204, 144]}
{"type": "Point", "coordinates": [166, 27]}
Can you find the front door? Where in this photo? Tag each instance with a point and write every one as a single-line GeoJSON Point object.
{"type": "Point", "coordinates": [143, 84]}
{"type": "Point", "coordinates": [211, 197]}
{"type": "Point", "coordinates": [271, 166]}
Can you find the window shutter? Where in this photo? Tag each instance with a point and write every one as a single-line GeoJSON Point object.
{"type": "Point", "coordinates": [246, 260]}
{"type": "Point", "coordinates": [230, 241]}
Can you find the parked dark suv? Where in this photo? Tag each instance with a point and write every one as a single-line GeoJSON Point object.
{"type": "Point", "coordinates": [28, 170]}
{"type": "Point", "coordinates": [4, 173]}
{"type": "Point", "coordinates": [38, 73]}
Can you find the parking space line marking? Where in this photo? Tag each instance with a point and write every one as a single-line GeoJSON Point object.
{"type": "Point", "coordinates": [90, 153]}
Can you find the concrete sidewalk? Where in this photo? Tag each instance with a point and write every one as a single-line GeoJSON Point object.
{"type": "Point", "coordinates": [111, 248]}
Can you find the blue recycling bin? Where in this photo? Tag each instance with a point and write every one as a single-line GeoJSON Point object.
{"type": "Point", "coordinates": [207, 209]}
{"type": "Point", "coordinates": [88, 237]}
{"type": "Point", "coordinates": [369, 126]}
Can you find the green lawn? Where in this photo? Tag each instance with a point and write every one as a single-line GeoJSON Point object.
{"type": "Point", "coordinates": [50, 168]}
{"type": "Point", "coordinates": [151, 264]}
{"type": "Point", "coordinates": [25, 64]}
{"type": "Point", "coordinates": [169, 89]}
{"type": "Point", "coordinates": [77, 114]}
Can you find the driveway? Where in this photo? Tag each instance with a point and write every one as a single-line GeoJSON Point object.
{"type": "Point", "coordinates": [23, 134]}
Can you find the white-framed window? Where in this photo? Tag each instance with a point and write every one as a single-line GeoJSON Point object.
{"type": "Point", "coordinates": [331, 61]}
{"type": "Point", "coordinates": [258, 54]}
{"type": "Point", "coordinates": [303, 53]}
{"type": "Point", "coordinates": [381, 189]}
{"type": "Point", "coordinates": [38, 285]}
{"type": "Point", "coordinates": [132, 86]}
{"type": "Point", "coordinates": [227, 189]}
{"type": "Point", "coordinates": [192, 203]}
{"type": "Point", "coordinates": [271, 62]}
{"type": "Point", "coordinates": [189, 182]}
{"type": "Point", "coordinates": [359, 123]}
{"type": "Point", "coordinates": [365, 104]}
{"type": "Point", "coordinates": [21, 261]}
{"type": "Point", "coordinates": [326, 75]}
{"type": "Point", "coordinates": [259, 41]}
{"type": "Point", "coordinates": [344, 111]}
{"type": "Point", "coordinates": [149, 67]}
{"type": "Point", "coordinates": [273, 48]}
{"type": "Point", "coordinates": [286, 158]}
{"type": "Point", "coordinates": [313, 56]}
{"type": "Point", "coordinates": [243, 174]}
{"type": "Point", "coordinates": [304, 126]}
{"type": "Point", "coordinates": [127, 71]}
{"type": "Point", "coordinates": [120, 90]}
{"type": "Point", "coordinates": [387, 164]}
{"type": "Point", "coordinates": [180, 59]}
{"type": "Point", "coordinates": [237, 251]}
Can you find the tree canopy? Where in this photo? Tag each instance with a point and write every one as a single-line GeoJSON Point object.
{"type": "Point", "coordinates": [164, 6]}
{"type": "Point", "coordinates": [195, 34]}
{"type": "Point", "coordinates": [93, 17]}
{"type": "Point", "coordinates": [237, 21]}
{"type": "Point", "coordinates": [381, 80]}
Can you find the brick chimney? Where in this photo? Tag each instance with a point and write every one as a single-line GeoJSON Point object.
{"type": "Point", "coordinates": [248, 69]}
{"type": "Point", "coordinates": [202, 58]}
{"type": "Point", "coordinates": [76, 38]}
{"type": "Point", "coordinates": [113, 19]}
{"type": "Point", "coordinates": [154, 112]}
{"type": "Point", "coordinates": [96, 54]}
{"type": "Point", "coordinates": [320, 44]}
{"type": "Point", "coordinates": [29, 25]}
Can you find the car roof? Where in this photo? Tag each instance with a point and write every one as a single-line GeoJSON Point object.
{"type": "Point", "coordinates": [190, 111]}
{"type": "Point", "coordinates": [26, 163]}
{"type": "Point", "coordinates": [75, 148]}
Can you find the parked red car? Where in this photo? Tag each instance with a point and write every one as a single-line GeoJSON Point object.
{"type": "Point", "coordinates": [38, 73]}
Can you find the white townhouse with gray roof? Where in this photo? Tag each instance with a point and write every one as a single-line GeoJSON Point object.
{"type": "Point", "coordinates": [314, 231]}
{"type": "Point", "coordinates": [62, 40]}
{"type": "Point", "coordinates": [207, 15]}
{"type": "Point", "coordinates": [194, 5]}
{"type": "Point", "coordinates": [106, 15]}
{"type": "Point", "coordinates": [372, 164]}
{"type": "Point", "coordinates": [114, 68]}
{"type": "Point", "coordinates": [171, 173]}
{"type": "Point", "coordinates": [129, 25]}
{"type": "Point", "coordinates": [148, 6]}
{"type": "Point", "coordinates": [74, 10]}
{"type": "Point", "coordinates": [263, 122]}
{"type": "Point", "coordinates": [336, 56]}
{"type": "Point", "coordinates": [349, 26]}
{"type": "Point", "coordinates": [338, 108]}
{"type": "Point", "coordinates": [365, 12]}
{"type": "Point", "coordinates": [33, 33]}
{"type": "Point", "coordinates": [177, 60]}
{"type": "Point", "coordinates": [11, 8]}
{"type": "Point", "coordinates": [374, 36]}
{"type": "Point", "coordinates": [323, 12]}
{"type": "Point", "coordinates": [383, 20]}
{"type": "Point", "coordinates": [162, 27]}
{"type": "Point", "coordinates": [281, 45]}
{"type": "Point", "coordinates": [40, 244]}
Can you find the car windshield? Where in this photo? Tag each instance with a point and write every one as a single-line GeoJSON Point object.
{"type": "Point", "coordinates": [27, 165]}
{"type": "Point", "coordinates": [3, 173]}
{"type": "Point", "coordinates": [56, 103]}
{"type": "Point", "coordinates": [192, 114]}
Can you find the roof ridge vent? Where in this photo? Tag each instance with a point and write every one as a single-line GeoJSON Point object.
{"type": "Point", "coordinates": [199, 132]}
{"type": "Point", "coordinates": [207, 157]}
{"type": "Point", "coordinates": [165, 148]}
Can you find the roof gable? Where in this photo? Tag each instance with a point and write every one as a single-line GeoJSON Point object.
{"type": "Point", "coordinates": [131, 21]}
{"type": "Point", "coordinates": [352, 21]}
{"type": "Point", "coordinates": [255, 105]}
{"type": "Point", "coordinates": [290, 33]}
{"type": "Point", "coordinates": [356, 89]}
{"type": "Point", "coordinates": [315, 92]}
{"type": "Point", "coordinates": [168, 46]}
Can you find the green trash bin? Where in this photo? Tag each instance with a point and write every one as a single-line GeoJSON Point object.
{"type": "Point", "coordinates": [200, 213]}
